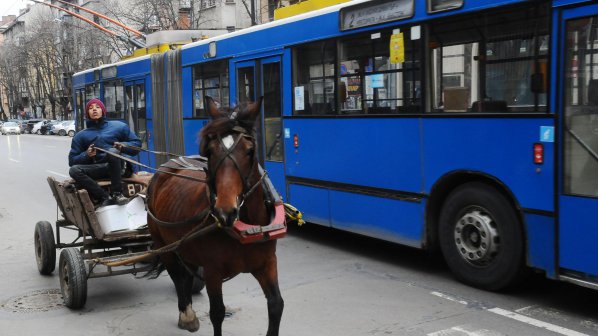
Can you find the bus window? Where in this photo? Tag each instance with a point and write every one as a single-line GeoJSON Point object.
{"type": "Point", "coordinates": [370, 83]}
{"type": "Point", "coordinates": [443, 5]}
{"type": "Point", "coordinates": [210, 79]}
{"type": "Point", "coordinates": [493, 63]}
{"type": "Point", "coordinates": [581, 108]}
{"type": "Point", "coordinates": [314, 78]}
{"type": "Point", "coordinates": [114, 97]}
{"type": "Point", "coordinates": [80, 114]}
{"type": "Point", "coordinates": [245, 84]}
{"type": "Point", "coordinates": [91, 91]}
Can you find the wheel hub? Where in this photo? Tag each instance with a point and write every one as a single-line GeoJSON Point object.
{"type": "Point", "coordinates": [476, 237]}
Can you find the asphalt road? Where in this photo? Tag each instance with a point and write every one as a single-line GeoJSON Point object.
{"type": "Point", "coordinates": [332, 283]}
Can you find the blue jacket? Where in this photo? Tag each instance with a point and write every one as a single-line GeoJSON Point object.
{"type": "Point", "coordinates": [103, 134]}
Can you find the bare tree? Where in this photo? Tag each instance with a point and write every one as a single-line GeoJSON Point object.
{"type": "Point", "coordinates": [9, 76]}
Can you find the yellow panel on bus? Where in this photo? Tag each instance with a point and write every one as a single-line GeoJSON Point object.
{"type": "Point", "coordinates": [304, 7]}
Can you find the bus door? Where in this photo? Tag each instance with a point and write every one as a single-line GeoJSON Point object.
{"type": "Point", "coordinates": [136, 114]}
{"type": "Point", "coordinates": [578, 196]}
{"type": "Point", "coordinates": [254, 79]}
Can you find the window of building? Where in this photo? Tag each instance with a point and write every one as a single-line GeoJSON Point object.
{"type": "Point", "coordinates": [314, 82]}
{"type": "Point", "coordinates": [494, 62]}
{"type": "Point", "coordinates": [371, 82]}
{"type": "Point", "coordinates": [208, 4]}
{"type": "Point", "coordinates": [210, 79]}
{"type": "Point", "coordinates": [114, 97]}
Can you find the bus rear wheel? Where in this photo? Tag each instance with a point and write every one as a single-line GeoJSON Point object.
{"type": "Point", "coordinates": [481, 237]}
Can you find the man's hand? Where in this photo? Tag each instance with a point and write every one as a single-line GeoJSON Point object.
{"type": "Point", "coordinates": [91, 151]}
{"type": "Point", "coordinates": [118, 146]}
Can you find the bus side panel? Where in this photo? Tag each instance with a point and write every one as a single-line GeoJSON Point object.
{"type": "Point", "coordinates": [191, 128]}
{"type": "Point", "coordinates": [134, 69]}
{"type": "Point", "coordinates": [540, 232]}
{"type": "Point", "coordinates": [150, 143]}
{"type": "Point", "coordinates": [388, 219]}
{"type": "Point", "coordinates": [187, 94]}
{"type": "Point", "coordinates": [499, 147]}
{"type": "Point", "coordinates": [373, 152]}
{"type": "Point", "coordinates": [578, 246]}
{"type": "Point", "coordinates": [312, 202]}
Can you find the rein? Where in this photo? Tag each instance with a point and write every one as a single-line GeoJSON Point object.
{"type": "Point", "coordinates": [186, 165]}
{"type": "Point", "coordinates": [122, 157]}
{"type": "Point", "coordinates": [197, 231]}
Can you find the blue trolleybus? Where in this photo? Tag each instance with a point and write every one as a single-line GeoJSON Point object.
{"type": "Point", "coordinates": [466, 126]}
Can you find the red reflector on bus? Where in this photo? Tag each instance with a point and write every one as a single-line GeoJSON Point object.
{"type": "Point", "coordinates": [296, 141]}
{"type": "Point", "coordinates": [538, 153]}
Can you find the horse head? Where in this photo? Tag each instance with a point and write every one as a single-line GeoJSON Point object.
{"type": "Point", "coordinates": [228, 142]}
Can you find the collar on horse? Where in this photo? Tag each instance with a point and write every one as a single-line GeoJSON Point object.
{"type": "Point", "coordinates": [243, 232]}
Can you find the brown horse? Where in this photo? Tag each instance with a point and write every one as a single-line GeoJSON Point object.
{"type": "Point", "coordinates": [233, 192]}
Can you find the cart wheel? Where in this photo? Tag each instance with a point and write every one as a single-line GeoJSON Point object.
{"type": "Point", "coordinates": [45, 249]}
{"type": "Point", "coordinates": [198, 282]}
{"type": "Point", "coordinates": [73, 278]}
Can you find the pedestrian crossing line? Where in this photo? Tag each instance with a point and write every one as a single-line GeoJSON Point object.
{"type": "Point", "coordinates": [515, 316]}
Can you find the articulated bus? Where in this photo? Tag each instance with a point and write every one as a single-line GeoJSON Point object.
{"type": "Point", "coordinates": [465, 126]}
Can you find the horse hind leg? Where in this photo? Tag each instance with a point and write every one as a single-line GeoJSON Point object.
{"type": "Point", "coordinates": [183, 283]}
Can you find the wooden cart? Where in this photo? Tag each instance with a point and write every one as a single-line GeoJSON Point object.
{"type": "Point", "coordinates": [79, 258]}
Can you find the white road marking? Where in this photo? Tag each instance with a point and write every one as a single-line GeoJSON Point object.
{"type": "Point", "coordinates": [537, 323]}
{"type": "Point", "coordinates": [49, 146]}
{"type": "Point", "coordinates": [515, 316]}
{"type": "Point", "coordinates": [461, 330]}
{"type": "Point", "coordinates": [13, 160]}
{"type": "Point", "coordinates": [59, 174]}
{"type": "Point", "coordinates": [450, 298]}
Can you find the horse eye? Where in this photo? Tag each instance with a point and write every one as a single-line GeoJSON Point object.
{"type": "Point", "coordinates": [250, 151]}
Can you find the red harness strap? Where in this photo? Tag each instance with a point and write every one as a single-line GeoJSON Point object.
{"type": "Point", "coordinates": [247, 233]}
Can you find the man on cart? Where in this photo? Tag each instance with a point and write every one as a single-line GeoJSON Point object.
{"type": "Point", "coordinates": [90, 156]}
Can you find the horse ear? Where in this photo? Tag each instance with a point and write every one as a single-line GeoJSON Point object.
{"type": "Point", "coordinates": [251, 111]}
{"type": "Point", "coordinates": [212, 109]}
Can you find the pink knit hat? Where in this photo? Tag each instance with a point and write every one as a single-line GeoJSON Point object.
{"type": "Point", "coordinates": [95, 101]}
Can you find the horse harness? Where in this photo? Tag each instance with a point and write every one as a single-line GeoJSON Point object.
{"type": "Point", "coordinates": [228, 148]}
{"type": "Point", "coordinates": [245, 233]}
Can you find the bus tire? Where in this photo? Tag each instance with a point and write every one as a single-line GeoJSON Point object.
{"type": "Point", "coordinates": [481, 237]}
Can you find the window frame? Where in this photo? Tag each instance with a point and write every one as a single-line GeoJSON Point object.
{"type": "Point", "coordinates": [199, 73]}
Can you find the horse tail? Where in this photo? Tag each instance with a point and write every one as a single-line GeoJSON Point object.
{"type": "Point", "coordinates": [156, 268]}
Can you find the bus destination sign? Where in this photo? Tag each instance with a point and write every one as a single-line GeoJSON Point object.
{"type": "Point", "coordinates": [371, 13]}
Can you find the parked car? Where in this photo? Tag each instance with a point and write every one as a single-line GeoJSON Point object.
{"type": "Point", "coordinates": [10, 127]}
{"type": "Point", "coordinates": [36, 129]}
{"type": "Point", "coordinates": [70, 130]}
{"type": "Point", "coordinates": [60, 128]}
{"type": "Point", "coordinates": [45, 129]}
{"type": "Point", "coordinates": [30, 124]}
{"type": "Point", "coordinates": [22, 125]}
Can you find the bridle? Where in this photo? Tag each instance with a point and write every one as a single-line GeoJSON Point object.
{"type": "Point", "coordinates": [238, 133]}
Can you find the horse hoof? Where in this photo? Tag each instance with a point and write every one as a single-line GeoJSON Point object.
{"type": "Point", "coordinates": [191, 326]}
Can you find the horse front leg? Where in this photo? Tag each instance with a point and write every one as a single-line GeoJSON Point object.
{"type": "Point", "coordinates": [217, 310]}
{"type": "Point", "coordinates": [183, 283]}
{"type": "Point", "coordinates": [268, 280]}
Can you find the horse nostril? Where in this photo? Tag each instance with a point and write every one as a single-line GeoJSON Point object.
{"type": "Point", "coordinates": [227, 218]}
